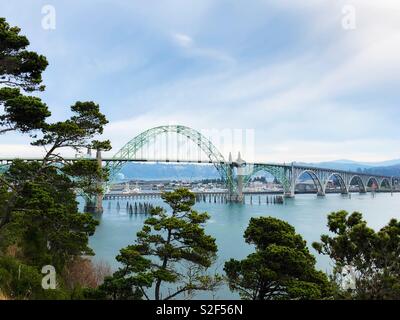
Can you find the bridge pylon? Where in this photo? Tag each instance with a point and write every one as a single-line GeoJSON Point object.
{"type": "Point", "coordinates": [240, 164]}
{"type": "Point", "coordinates": [290, 175]}
{"type": "Point", "coordinates": [236, 192]}
{"type": "Point", "coordinates": [95, 204]}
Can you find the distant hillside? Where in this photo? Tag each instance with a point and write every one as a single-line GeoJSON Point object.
{"type": "Point", "coordinates": [164, 171]}
{"type": "Point", "coordinates": [387, 163]}
{"type": "Point", "coordinates": [387, 171]}
{"type": "Point", "coordinates": [390, 168]}
{"type": "Point", "coordinates": [367, 164]}
{"type": "Point", "coordinates": [346, 166]}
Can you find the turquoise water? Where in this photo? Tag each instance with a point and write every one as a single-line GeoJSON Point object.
{"type": "Point", "coordinates": [307, 213]}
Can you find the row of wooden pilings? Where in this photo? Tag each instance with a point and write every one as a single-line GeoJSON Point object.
{"type": "Point", "coordinates": [223, 198]}
{"type": "Point", "coordinates": [135, 208]}
{"type": "Point", "coordinates": [212, 198]}
{"type": "Point", "coordinates": [200, 197]}
{"type": "Point", "coordinates": [275, 199]}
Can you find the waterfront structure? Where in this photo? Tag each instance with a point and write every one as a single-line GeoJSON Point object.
{"type": "Point", "coordinates": [235, 174]}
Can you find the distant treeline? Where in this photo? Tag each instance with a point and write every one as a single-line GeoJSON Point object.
{"type": "Point", "coordinates": [387, 171]}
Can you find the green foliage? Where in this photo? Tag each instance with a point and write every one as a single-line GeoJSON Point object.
{"type": "Point", "coordinates": [280, 268]}
{"type": "Point", "coordinates": [76, 132]}
{"type": "Point", "coordinates": [21, 281]}
{"type": "Point", "coordinates": [45, 216]}
{"type": "Point", "coordinates": [20, 69]}
{"type": "Point", "coordinates": [265, 231]}
{"type": "Point", "coordinates": [371, 259]}
{"type": "Point", "coordinates": [39, 215]}
{"type": "Point", "coordinates": [18, 280]}
{"type": "Point", "coordinates": [171, 248]}
{"type": "Point", "coordinates": [119, 288]}
{"type": "Point", "coordinates": [22, 113]}
{"type": "Point", "coordinates": [86, 175]}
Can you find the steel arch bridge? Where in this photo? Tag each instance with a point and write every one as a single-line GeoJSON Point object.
{"type": "Point", "coordinates": [130, 151]}
{"type": "Point", "coordinates": [238, 174]}
{"type": "Point", "coordinates": [235, 174]}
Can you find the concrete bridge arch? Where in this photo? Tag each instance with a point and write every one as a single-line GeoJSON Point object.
{"type": "Point", "coordinates": [314, 176]}
{"type": "Point", "coordinates": [388, 182]}
{"type": "Point", "coordinates": [374, 180]}
{"type": "Point", "coordinates": [343, 185]}
{"type": "Point", "coordinates": [360, 182]}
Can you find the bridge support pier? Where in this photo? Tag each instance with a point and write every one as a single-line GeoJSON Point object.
{"type": "Point", "coordinates": [95, 204]}
{"type": "Point", "coordinates": [237, 196]}
{"type": "Point", "coordinates": [240, 196]}
{"type": "Point", "coordinates": [292, 178]}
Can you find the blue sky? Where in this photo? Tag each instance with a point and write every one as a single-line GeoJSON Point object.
{"type": "Point", "coordinates": [310, 89]}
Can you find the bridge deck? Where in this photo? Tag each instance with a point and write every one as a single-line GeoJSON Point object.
{"type": "Point", "coordinates": [284, 165]}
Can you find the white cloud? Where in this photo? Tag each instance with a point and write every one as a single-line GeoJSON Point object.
{"type": "Point", "coordinates": [183, 40]}
{"type": "Point", "coordinates": [190, 48]}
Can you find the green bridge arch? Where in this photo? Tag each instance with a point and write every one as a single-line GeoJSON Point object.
{"type": "Point", "coordinates": [133, 147]}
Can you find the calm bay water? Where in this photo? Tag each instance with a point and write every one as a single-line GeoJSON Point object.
{"type": "Point", "coordinates": [307, 213]}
